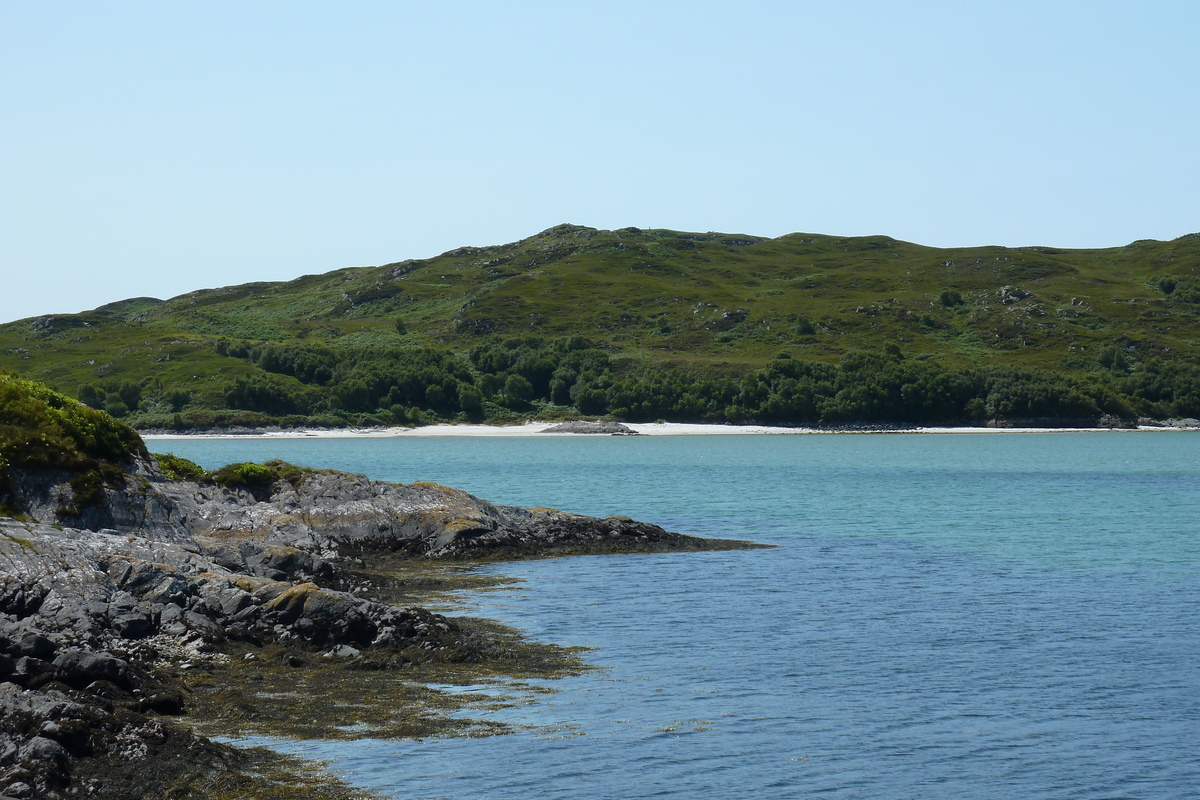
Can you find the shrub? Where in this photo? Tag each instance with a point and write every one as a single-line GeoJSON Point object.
{"type": "Point", "coordinates": [245, 475]}
{"type": "Point", "coordinates": [42, 429]}
{"type": "Point", "coordinates": [180, 469]}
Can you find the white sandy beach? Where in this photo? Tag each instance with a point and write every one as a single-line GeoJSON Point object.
{"type": "Point", "coordinates": [649, 429]}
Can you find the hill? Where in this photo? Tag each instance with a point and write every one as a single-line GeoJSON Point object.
{"type": "Point", "coordinates": [649, 324]}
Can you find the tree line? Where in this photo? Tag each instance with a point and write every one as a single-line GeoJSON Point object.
{"type": "Point", "coordinates": [517, 376]}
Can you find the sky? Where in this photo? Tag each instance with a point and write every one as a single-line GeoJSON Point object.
{"type": "Point", "coordinates": [151, 149]}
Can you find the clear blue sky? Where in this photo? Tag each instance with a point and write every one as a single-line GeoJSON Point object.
{"type": "Point", "coordinates": [155, 148]}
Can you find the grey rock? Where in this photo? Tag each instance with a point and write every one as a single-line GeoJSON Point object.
{"type": "Point", "coordinates": [582, 426]}
{"type": "Point", "coordinates": [169, 589]}
{"type": "Point", "coordinates": [170, 613]}
{"type": "Point", "coordinates": [29, 671]}
{"type": "Point", "coordinates": [39, 748]}
{"type": "Point", "coordinates": [198, 623]}
{"type": "Point", "coordinates": [137, 507]}
{"type": "Point", "coordinates": [77, 668]}
{"type": "Point", "coordinates": [133, 624]}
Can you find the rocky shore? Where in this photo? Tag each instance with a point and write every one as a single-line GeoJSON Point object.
{"type": "Point", "coordinates": [139, 620]}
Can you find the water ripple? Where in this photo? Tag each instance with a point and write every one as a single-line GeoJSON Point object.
{"type": "Point", "coordinates": [983, 617]}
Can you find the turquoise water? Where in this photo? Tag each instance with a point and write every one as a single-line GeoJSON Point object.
{"type": "Point", "coordinates": [982, 616]}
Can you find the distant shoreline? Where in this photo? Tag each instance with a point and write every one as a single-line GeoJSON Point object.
{"type": "Point", "coordinates": [644, 429]}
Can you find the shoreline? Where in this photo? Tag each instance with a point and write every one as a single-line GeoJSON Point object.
{"type": "Point", "coordinates": [135, 652]}
{"type": "Point", "coordinates": [642, 429]}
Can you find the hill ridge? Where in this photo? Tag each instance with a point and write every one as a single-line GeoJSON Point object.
{"type": "Point", "coordinates": [710, 304]}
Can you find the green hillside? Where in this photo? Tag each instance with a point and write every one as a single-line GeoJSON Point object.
{"type": "Point", "coordinates": [648, 324]}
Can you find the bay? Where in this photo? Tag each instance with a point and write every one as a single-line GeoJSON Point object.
{"type": "Point", "coordinates": [948, 615]}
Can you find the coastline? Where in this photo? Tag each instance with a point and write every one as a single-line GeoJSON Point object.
{"type": "Point", "coordinates": [135, 652]}
{"type": "Point", "coordinates": [642, 429]}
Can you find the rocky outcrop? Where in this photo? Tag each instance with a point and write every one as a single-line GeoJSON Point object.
{"type": "Point", "coordinates": [321, 514]}
{"type": "Point", "coordinates": [92, 624]}
{"type": "Point", "coordinates": [102, 607]}
{"type": "Point", "coordinates": [583, 426]}
{"type": "Point", "coordinates": [128, 499]}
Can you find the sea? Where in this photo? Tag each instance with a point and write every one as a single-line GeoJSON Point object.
{"type": "Point", "coordinates": [946, 615]}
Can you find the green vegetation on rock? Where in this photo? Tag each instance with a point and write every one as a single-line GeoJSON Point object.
{"type": "Point", "coordinates": [41, 429]}
{"type": "Point", "coordinates": [653, 324]}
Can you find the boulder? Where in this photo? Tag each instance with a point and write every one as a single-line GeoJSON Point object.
{"type": "Point", "coordinates": [77, 668]}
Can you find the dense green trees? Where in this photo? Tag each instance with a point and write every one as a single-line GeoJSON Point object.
{"type": "Point", "coordinates": [503, 377]}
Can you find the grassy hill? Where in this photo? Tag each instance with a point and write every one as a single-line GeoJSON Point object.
{"type": "Point", "coordinates": [652, 324]}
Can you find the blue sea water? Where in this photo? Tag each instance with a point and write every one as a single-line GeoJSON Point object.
{"type": "Point", "coordinates": [948, 616]}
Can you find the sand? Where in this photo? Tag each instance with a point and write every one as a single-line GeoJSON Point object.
{"type": "Point", "coordinates": [650, 429]}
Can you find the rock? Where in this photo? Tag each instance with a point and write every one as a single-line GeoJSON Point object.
{"type": "Point", "coordinates": [326, 513]}
{"type": "Point", "coordinates": [136, 505]}
{"type": "Point", "coordinates": [133, 625]}
{"type": "Point", "coordinates": [322, 616]}
{"type": "Point", "coordinates": [78, 669]}
{"type": "Point", "coordinates": [209, 630]}
{"type": "Point", "coordinates": [21, 600]}
{"type": "Point", "coordinates": [39, 749]}
{"type": "Point", "coordinates": [169, 589]}
{"type": "Point", "coordinates": [581, 426]}
{"type": "Point", "coordinates": [169, 703]}
{"type": "Point", "coordinates": [344, 651]}
{"type": "Point", "coordinates": [1012, 294]}
{"type": "Point", "coordinates": [32, 672]}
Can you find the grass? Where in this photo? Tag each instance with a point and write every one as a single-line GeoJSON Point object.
{"type": "Point", "coordinates": [715, 301]}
